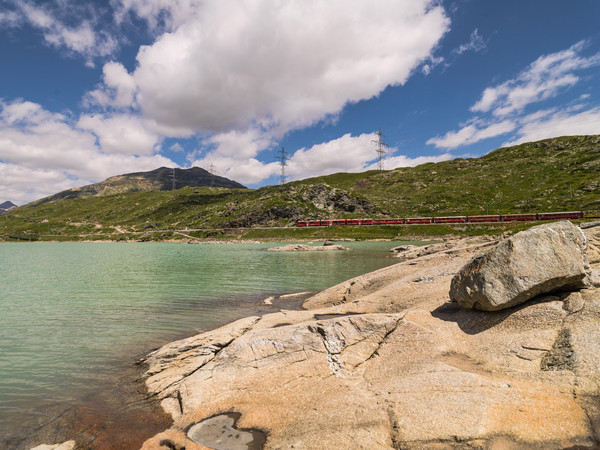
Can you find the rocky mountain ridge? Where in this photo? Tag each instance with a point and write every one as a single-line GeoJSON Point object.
{"type": "Point", "coordinates": [161, 179]}
{"type": "Point", "coordinates": [6, 206]}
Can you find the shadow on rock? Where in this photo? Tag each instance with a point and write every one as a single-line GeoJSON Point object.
{"type": "Point", "coordinates": [473, 321]}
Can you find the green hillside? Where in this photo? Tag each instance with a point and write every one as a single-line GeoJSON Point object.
{"type": "Point", "coordinates": [551, 175]}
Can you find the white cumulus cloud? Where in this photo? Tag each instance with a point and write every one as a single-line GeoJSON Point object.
{"type": "Point", "coordinates": [82, 38]}
{"type": "Point", "coordinates": [238, 64]}
{"type": "Point", "coordinates": [121, 133]}
{"type": "Point", "coordinates": [560, 123]}
{"type": "Point", "coordinates": [242, 73]}
{"type": "Point", "coordinates": [53, 153]}
{"type": "Point", "coordinates": [544, 78]}
{"type": "Point", "coordinates": [502, 109]}
{"type": "Point", "coordinates": [471, 133]}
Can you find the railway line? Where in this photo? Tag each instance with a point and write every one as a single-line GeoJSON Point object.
{"type": "Point", "coordinates": [529, 217]}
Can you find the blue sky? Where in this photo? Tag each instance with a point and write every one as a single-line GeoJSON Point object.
{"type": "Point", "coordinates": [94, 89]}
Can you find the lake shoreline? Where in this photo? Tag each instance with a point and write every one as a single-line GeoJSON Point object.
{"type": "Point", "coordinates": [126, 415]}
{"type": "Point", "coordinates": [373, 360]}
{"type": "Point", "coordinates": [92, 315]}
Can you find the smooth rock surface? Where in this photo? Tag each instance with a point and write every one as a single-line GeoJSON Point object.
{"type": "Point", "coordinates": [69, 445]}
{"type": "Point", "coordinates": [306, 248]}
{"type": "Point", "coordinates": [386, 361]}
{"type": "Point", "coordinates": [539, 260]}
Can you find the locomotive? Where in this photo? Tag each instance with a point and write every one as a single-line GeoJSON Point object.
{"type": "Point", "coordinates": [451, 219]}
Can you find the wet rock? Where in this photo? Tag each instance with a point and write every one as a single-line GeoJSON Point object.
{"type": "Point", "coordinates": [533, 262]}
{"type": "Point", "coordinates": [220, 432]}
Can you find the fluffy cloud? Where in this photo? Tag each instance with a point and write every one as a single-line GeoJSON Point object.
{"type": "Point", "coordinates": [160, 15]}
{"type": "Point", "coordinates": [238, 64]}
{"type": "Point", "coordinates": [544, 78]}
{"type": "Point", "coordinates": [247, 171]}
{"type": "Point", "coordinates": [281, 65]}
{"type": "Point", "coordinates": [80, 39]}
{"type": "Point", "coordinates": [121, 133]}
{"type": "Point", "coordinates": [117, 90]}
{"type": "Point", "coordinates": [243, 73]}
{"type": "Point", "coordinates": [348, 154]}
{"type": "Point", "coordinates": [22, 184]}
{"type": "Point", "coordinates": [242, 144]}
{"type": "Point", "coordinates": [562, 123]}
{"type": "Point", "coordinates": [502, 108]}
{"type": "Point", "coordinates": [53, 153]}
{"type": "Point", "coordinates": [471, 133]}
{"type": "Point", "coordinates": [345, 154]}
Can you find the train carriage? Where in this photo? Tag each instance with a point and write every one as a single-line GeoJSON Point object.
{"type": "Point", "coordinates": [476, 219]}
{"type": "Point", "coordinates": [518, 217]}
{"type": "Point", "coordinates": [560, 215]}
{"type": "Point", "coordinates": [413, 220]}
{"type": "Point", "coordinates": [388, 221]}
{"type": "Point", "coordinates": [457, 219]}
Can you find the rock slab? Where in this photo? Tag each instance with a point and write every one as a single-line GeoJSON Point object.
{"type": "Point", "coordinates": [384, 361]}
{"type": "Point", "coordinates": [542, 259]}
{"type": "Point", "coordinates": [306, 248]}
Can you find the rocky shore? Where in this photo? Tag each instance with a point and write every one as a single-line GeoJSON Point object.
{"type": "Point", "coordinates": [432, 352]}
{"type": "Point", "coordinates": [328, 247]}
{"type": "Point", "coordinates": [387, 360]}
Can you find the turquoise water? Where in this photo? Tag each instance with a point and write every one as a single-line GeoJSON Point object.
{"type": "Point", "coordinates": [70, 311]}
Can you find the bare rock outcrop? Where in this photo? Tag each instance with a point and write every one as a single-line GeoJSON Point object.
{"type": "Point", "coordinates": [386, 361]}
{"type": "Point", "coordinates": [542, 259]}
{"type": "Point", "coordinates": [69, 445]}
{"type": "Point", "coordinates": [306, 248]}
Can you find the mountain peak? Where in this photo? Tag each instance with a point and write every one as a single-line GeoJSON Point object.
{"type": "Point", "coordinates": [7, 205]}
{"type": "Point", "coordinates": [161, 179]}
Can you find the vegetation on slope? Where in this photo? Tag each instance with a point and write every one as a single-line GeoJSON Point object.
{"type": "Point", "coordinates": [551, 175]}
{"type": "Point", "coordinates": [559, 174]}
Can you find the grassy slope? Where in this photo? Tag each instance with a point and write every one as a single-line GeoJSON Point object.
{"type": "Point", "coordinates": [555, 174]}
{"type": "Point", "coordinates": [551, 175]}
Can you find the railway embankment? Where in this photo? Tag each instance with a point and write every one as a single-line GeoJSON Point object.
{"type": "Point", "coordinates": [385, 360]}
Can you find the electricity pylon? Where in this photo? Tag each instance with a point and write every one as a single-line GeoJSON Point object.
{"type": "Point", "coordinates": [380, 150]}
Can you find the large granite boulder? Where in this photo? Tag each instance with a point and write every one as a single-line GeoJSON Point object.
{"type": "Point", "coordinates": [542, 259]}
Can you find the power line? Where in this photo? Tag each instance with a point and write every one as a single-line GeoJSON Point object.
{"type": "Point", "coordinates": [283, 159]}
{"type": "Point", "coordinates": [380, 150]}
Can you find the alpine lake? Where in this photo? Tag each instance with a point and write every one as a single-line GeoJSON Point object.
{"type": "Point", "coordinates": [75, 317]}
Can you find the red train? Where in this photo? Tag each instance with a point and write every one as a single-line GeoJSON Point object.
{"type": "Point", "coordinates": [451, 219]}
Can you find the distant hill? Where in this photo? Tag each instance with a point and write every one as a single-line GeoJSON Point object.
{"type": "Point", "coordinates": [559, 174]}
{"type": "Point", "coordinates": [162, 179]}
{"type": "Point", "coordinates": [6, 206]}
